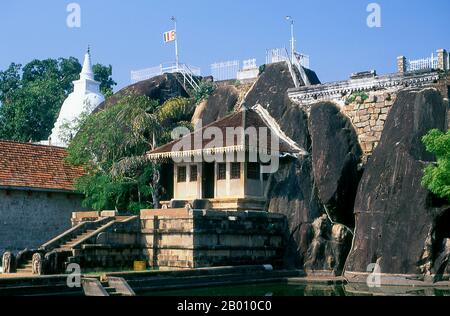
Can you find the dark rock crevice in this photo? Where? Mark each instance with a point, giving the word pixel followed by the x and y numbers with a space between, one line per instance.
pixel 440 246
pixel 336 156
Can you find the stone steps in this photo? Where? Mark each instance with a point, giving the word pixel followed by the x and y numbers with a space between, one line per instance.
pixel 25 268
pixel 110 290
pixel 76 239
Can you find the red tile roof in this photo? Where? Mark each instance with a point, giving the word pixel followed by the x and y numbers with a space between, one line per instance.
pixel 25 165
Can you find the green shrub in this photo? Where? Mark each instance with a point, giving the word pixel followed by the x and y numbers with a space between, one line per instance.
pixel 352 98
pixel 176 109
pixel 262 68
pixel 437 176
pixel 206 88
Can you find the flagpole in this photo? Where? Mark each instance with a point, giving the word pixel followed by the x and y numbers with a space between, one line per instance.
pixel 177 60
pixel 289 18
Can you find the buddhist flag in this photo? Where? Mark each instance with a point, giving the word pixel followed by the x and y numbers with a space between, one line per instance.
pixel 170 36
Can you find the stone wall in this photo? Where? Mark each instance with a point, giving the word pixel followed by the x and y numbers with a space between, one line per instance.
pixel 368 115
pixel 29 218
pixel 367 99
pixel 193 239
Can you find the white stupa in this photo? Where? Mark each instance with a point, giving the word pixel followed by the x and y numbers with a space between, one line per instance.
pixel 86 96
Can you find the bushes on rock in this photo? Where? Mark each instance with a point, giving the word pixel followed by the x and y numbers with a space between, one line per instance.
pixel 205 90
pixel 437 176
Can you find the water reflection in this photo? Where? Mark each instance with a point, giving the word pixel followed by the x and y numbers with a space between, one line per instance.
pixel 304 290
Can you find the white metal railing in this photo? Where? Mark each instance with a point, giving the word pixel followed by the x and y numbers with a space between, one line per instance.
pixel 291 70
pixel 447 66
pixel 144 74
pixel 299 61
pixel 276 55
pixel 300 68
pixel 188 77
pixel 280 54
pixel 424 63
pixel 303 60
pixel 249 64
pixel 225 70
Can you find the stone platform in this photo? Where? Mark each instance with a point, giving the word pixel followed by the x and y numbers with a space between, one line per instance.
pixel 180 238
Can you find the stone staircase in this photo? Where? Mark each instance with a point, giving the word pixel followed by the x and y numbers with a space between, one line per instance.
pixel 53 256
pixel 112 291
pixel 26 267
pixel 77 234
pixel 68 245
pixel 113 286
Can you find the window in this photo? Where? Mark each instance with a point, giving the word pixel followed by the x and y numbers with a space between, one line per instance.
pixel 235 170
pixel 194 174
pixel 221 171
pixel 253 170
pixel 181 174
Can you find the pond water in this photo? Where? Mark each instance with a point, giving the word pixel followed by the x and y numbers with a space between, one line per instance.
pixel 281 289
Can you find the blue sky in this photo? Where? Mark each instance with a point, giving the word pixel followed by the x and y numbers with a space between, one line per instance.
pixel 128 34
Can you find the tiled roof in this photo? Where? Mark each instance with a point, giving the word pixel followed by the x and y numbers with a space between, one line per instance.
pixel 25 165
pixel 252 119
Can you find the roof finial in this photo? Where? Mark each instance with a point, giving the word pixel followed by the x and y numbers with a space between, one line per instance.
pixel 89 49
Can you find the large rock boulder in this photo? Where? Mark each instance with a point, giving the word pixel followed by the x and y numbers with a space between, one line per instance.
pixel 314 243
pixel 290 191
pixel 220 103
pixel 270 91
pixel 161 88
pixel 336 155
pixel 395 214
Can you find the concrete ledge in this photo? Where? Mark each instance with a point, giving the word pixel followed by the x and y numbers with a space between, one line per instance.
pixel 37 285
pixel 174 212
pixel 395 279
pixel 318 280
pixel 81 215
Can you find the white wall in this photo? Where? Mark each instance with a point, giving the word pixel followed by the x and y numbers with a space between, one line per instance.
pixel 227 188
pixel 230 187
pixel 187 190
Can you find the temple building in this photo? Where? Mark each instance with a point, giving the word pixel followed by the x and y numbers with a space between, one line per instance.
pixel 225 165
pixel 37 194
pixel 85 97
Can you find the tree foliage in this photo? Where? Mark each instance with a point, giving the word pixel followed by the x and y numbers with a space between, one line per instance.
pixel 206 88
pixel 31 96
pixel 437 176
pixel 103 74
pixel 175 112
pixel 119 175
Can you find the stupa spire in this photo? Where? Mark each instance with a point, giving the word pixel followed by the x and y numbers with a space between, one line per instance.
pixel 86 72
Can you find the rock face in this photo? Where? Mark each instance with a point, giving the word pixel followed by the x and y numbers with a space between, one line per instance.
pixel 270 92
pixel 335 156
pixel 161 88
pixel 314 243
pixel 396 219
pixel 329 247
pixel 220 103
pixel 290 192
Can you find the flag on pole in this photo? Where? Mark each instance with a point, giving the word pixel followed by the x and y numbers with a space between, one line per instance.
pixel 170 36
